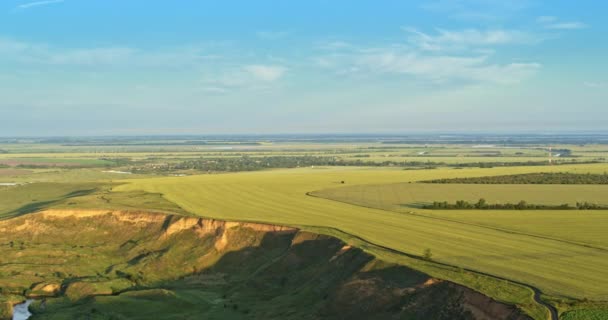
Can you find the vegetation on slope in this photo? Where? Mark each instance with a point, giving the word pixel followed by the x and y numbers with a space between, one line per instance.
pixel 27 198
pixel 142 266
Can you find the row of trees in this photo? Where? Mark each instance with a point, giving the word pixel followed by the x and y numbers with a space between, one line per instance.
pixel 247 163
pixel 482 204
pixel 533 178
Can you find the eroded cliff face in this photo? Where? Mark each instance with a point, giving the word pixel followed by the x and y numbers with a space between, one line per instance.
pixel 137 265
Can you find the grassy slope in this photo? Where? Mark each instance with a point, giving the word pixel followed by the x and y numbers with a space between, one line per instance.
pixel 18 200
pixel 280 197
pixel 187 275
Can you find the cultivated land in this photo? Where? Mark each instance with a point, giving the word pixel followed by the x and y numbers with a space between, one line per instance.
pixel 503 254
pixel 281 197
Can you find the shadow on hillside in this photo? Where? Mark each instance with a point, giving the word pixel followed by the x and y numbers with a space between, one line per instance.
pixel 414 205
pixel 40 205
pixel 317 277
pixel 257 275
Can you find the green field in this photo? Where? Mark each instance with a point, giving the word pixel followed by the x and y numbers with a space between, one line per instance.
pixel 374 208
pixel 404 198
pixel 22 199
pixel 280 197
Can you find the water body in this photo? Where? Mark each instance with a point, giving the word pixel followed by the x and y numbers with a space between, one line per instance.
pixel 21 311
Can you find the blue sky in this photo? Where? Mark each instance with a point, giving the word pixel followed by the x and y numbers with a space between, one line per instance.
pixel 122 67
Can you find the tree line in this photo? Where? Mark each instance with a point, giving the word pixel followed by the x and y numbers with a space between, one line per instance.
pixel 482 204
pixel 248 163
pixel 532 178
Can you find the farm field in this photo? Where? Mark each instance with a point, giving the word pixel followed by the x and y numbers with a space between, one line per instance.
pixel 280 197
pixel 361 150
pixel 405 198
pixel 373 207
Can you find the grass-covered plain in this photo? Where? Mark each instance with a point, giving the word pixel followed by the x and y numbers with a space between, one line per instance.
pixel 280 196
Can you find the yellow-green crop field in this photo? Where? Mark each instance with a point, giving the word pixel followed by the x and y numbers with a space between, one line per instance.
pixel 555 263
pixel 563 253
pixel 401 196
pixel 558 224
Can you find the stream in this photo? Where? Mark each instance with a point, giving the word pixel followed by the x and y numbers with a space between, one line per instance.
pixel 21 312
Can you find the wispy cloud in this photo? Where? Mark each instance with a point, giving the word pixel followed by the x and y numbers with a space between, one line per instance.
pixel 266 72
pixel 445 68
pixel 476 10
pixel 38 4
pixel 462 39
pixel 554 23
pixel 220 69
pixel 225 80
pixel 445 57
pixel 566 26
pixel 36 54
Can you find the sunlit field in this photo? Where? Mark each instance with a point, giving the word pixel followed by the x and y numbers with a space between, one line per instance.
pixel 281 197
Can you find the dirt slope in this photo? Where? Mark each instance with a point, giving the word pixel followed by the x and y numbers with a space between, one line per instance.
pixel 137 265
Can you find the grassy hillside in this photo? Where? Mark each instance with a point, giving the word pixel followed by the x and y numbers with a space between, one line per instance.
pixel 22 199
pixel 119 265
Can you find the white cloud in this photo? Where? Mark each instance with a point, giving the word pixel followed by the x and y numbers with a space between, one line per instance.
pixel 38 4
pixel 459 39
pixel 33 54
pixel 554 23
pixel 226 79
pixel 458 57
pixel 94 56
pixel 266 72
pixel 566 26
pixel 444 68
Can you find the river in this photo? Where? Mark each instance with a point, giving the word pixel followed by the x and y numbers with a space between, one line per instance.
pixel 21 312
